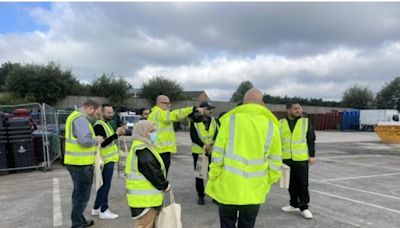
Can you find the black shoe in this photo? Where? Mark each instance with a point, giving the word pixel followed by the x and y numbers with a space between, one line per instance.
pixel 201 201
pixel 89 222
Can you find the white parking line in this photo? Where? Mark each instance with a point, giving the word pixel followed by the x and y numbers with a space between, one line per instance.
pixel 353 156
pixel 57 215
pixel 356 189
pixel 336 216
pixel 356 201
pixel 358 177
pixel 359 164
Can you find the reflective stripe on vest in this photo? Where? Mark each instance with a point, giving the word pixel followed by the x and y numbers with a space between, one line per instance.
pixel 229 154
pixel 164 131
pixel 205 136
pixel 294 144
pixel 76 154
pixel 140 192
pixel 110 153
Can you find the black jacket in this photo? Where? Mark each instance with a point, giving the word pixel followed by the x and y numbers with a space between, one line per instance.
pixel 150 168
pixel 99 131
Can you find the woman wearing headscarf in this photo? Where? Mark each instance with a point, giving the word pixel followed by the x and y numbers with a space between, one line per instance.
pixel 145 176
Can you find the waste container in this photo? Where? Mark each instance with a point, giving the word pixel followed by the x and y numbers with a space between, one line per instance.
pixel 388 132
pixel 3 154
pixel 20 139
pixel 23 152
pixel 22 112
pixel 3 143
pixel 38 147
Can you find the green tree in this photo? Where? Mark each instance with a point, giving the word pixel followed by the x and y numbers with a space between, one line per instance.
pixel 159 85
pixel 10 99
pixel 389 96
pixel 111 87
pixel 358 97
pixel 240 91
pixel 43 83
pixel 4 70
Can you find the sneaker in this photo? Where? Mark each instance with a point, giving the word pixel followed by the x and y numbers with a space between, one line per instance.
pixel 289 208
pixel 201 201
pixel 95 212
pixel 307 214
pixel 108 215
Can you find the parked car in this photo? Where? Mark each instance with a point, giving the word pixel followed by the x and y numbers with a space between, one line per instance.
pixel 129 120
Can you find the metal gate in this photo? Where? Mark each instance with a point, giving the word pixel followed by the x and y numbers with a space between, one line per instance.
pixel 17 152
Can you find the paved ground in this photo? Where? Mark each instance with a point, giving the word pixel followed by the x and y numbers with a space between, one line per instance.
pixel 354 184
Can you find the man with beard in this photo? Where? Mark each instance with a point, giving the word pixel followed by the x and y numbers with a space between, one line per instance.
pixel 109 151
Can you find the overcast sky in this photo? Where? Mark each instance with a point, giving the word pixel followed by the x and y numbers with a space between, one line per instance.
pixel 314 50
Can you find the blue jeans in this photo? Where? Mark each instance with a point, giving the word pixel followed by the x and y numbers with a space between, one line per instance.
pixel 102 193
pixel 82 178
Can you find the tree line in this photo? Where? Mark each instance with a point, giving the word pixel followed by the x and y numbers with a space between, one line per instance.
pixel 49 83
pixel 357 97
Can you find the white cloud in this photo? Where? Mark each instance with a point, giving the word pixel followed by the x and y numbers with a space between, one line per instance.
pixel 209 47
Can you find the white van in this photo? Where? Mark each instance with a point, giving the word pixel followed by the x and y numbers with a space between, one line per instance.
pixel 130 119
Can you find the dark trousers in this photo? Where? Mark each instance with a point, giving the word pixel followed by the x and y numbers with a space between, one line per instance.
pixel 228 215
pixel 199 181
pixel 102 193
pixel 166 157
pixel 298 186
pixel 82 178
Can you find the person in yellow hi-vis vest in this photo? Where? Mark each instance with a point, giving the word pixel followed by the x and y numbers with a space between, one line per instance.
pixel 80 149
pixel 246 161
pixel 163 119
pixel 203 135
pixel 109 152
pixel 298 151
pixel 145 176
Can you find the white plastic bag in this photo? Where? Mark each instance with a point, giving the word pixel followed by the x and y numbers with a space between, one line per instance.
pixel 170 216
pixel 201 170
pixel 98 167
pixel 285 177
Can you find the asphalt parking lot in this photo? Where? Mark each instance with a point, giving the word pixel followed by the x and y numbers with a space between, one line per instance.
pixel 355 183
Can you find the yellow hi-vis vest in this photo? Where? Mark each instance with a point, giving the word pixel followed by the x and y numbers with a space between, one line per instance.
pixel 246 157
pixel 205 136
pixel 110 153
pixel 76 154
pixel 294 144
pixel 163 121
pixel 140 192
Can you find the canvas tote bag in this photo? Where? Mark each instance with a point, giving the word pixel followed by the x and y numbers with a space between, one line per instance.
pixel 170 216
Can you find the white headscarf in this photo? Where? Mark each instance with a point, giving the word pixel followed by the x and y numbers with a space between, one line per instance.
pixel 141 130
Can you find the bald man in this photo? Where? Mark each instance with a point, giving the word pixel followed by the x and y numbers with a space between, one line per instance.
pixel 246 161
pixel 163 119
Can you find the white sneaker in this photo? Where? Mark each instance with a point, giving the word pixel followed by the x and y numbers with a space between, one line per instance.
pixel 289 208
pixel 108 215
pixel 307 214
pixel 95 212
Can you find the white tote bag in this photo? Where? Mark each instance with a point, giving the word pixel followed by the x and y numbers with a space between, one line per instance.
pixel 201 170
pixel 123 155
pixel 170 216
pixel 285 177
pixel 98 167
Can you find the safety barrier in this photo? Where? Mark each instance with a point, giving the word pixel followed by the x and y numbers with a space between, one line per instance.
pixel 29 137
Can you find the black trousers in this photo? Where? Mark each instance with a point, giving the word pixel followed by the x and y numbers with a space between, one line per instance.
pixel 298 186
pixel 228 215
pixel 166 157
pixel 199 182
